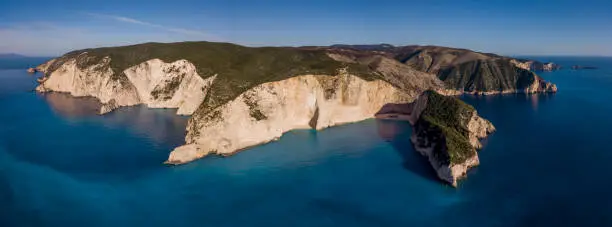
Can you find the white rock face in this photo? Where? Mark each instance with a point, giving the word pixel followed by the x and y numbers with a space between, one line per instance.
pixel 94 81
pixel 265 112
pixel 169 85
pixel 154 83
pixel 479 128
pixel 527 65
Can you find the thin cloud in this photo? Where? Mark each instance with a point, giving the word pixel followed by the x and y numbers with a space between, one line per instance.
pixel 152 25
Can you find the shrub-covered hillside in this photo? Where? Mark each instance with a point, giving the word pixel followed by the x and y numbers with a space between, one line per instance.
pixel 238 68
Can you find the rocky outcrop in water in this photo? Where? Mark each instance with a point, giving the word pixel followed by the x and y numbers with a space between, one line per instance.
pixel 447 131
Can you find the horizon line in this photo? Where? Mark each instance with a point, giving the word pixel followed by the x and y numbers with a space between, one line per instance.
pixel 329 45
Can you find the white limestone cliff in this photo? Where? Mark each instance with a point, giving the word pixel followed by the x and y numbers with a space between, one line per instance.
pixel 265 112
pixel 153 83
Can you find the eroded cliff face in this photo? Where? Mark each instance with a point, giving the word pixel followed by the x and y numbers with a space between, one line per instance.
pixel 265 112
pixel 153 83
pixel 169 85
pixel 448 132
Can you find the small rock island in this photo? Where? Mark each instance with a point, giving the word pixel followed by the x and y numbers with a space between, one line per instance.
pixel 445 130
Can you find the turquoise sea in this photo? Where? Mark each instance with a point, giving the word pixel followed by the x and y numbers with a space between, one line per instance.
pixel 547 165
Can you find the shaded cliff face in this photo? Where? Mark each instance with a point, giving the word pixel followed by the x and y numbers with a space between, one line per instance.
pixel 493 76
pixel 466 71
pixel 447 131
pixel 433 59
pixel 473 72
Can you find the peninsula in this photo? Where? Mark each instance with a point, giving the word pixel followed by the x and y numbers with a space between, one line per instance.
pixel 240 96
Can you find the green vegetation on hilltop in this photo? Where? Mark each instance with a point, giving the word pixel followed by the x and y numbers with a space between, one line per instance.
pixel 447 118
pixel 238 68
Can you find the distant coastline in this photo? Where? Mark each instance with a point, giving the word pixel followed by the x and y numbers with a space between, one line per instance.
pixel 22 62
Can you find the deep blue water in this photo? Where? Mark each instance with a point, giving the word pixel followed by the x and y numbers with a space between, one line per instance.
pixel 547 165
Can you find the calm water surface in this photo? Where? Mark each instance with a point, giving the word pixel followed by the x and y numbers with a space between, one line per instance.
pixel 547 165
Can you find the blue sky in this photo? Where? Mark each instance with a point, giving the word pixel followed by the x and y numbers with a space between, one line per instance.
pixel 517 27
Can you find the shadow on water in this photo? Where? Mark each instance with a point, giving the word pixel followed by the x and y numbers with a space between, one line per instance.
pixel 397 133
pixel 534 99
pixel 66 134
pixel 160 125
pixel 72 107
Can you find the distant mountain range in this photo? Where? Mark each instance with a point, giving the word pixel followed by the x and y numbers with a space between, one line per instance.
pixel 434 58
pixel 18 61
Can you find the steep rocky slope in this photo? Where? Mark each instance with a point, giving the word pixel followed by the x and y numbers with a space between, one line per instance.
pixel 154 83
pixel 492 77
pixel 466 71
pixel 473 72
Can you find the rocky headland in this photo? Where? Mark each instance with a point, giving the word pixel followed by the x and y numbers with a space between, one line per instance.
pixel 445 130
pixel 465 71
pixel 240 97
